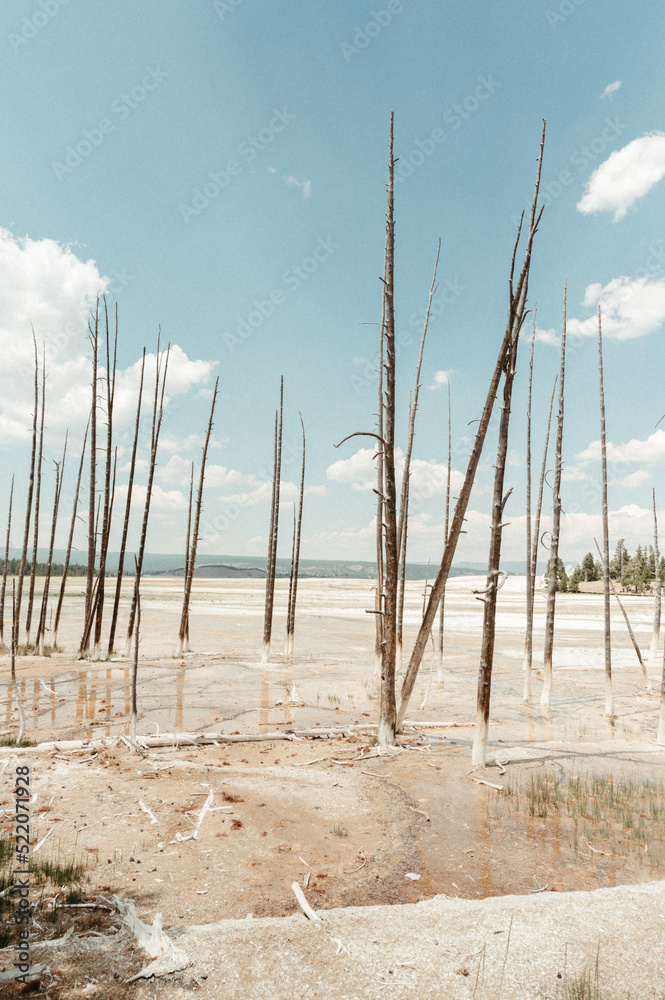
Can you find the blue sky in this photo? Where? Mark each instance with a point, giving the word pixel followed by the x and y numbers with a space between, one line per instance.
pixel 220 169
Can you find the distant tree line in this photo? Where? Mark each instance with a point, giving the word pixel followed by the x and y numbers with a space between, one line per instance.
pixel 41 568
pixel 635 573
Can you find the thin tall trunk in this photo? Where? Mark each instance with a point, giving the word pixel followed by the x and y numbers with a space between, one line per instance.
pixel 135 665
pixel 128 507
pixel 548 648
pixel 630 631
pixel 157 414
pixel 609 700
pixel 6 565
pixel 38 492
pixel 657 589
pixel 28 506
pixel 184 620
pixel 528 636
pixel 106 523
pixel 536 535
pixel 41 628
pixel 274 528
pixel 293 591
pixel 65 569
pixel 288 603
pixel 187 546
pixel 92 535
pixel 380 491
pixel 21 713
pixel 404 499
pixel 446 533
pixel 465 492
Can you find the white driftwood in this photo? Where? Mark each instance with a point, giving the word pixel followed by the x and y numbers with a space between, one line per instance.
pixel 157 945
pixel 34 973
pixel 148 811
pixel 43 841
pixel 304 905
pixel 55 942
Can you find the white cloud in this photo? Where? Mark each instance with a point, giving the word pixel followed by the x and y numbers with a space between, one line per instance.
pixel 610 89
pixel 427 478
pixel 626 175
pixel 288 492
pixel 649 452
pixel 316 491
pixel 631 308
pixel 573 474
pixel 548 337
pixel 440 378
pixel 304 186
pixel 634 480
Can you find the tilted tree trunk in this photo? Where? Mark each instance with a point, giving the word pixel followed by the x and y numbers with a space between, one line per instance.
pixel 191 562
pixel 295 560
pixel 653 649
pixel 65 569
pixel 41 627
pixel 404 498
pixel 548 646
pixel 274 529
pixel 630 630
pixel 288 603
pixel 161 370
pixel 188 547
pixel 108 507
pixel 38 492
pixel 92 534
pixel 536 538
pixel 128 507
pixel 465 492
pixel 133 716
pixel 446 533
pixel 528 635
pixel 28 505
pixel 609 699
pixel 6 565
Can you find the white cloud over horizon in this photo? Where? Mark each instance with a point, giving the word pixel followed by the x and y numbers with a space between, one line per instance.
pixel 627 175
pixel 630 308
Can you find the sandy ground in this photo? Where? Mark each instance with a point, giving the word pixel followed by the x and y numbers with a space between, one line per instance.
pixel 400 849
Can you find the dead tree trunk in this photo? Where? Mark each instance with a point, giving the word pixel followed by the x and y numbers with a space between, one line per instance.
pixel 548 648
pixel 274 528
pixel 188 546
pixel 404 499
pixel 191 562
pixel 157 414
pixel 108 506
pixel 135 664
pixel 128 507
pixel 92 534
pixel 41 627
pixel 21 713
pixel 38 492
pixel 65 568
pixel 6 566
pixel 536 537
pixel 380 491
pixel 465 492
pixel 295 559
pixel 609 700
pixel 630 630
pixel 446 533
pixel 528 635
pixel 657 589
pixel 28 506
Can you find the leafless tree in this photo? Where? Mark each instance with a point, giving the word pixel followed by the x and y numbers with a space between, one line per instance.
pixel 65 569
pixel 21 713
pixel 28 506
pixel 516 293
pixel 188 545
pixel 6 565
pixel 135 663
pixel 446 533
pixel 548 649
pixel 92 534
pixel 404 497
pixel 653 650
pixel 609 699
pixel 528 637
pixel 191 562
pixel 380 489
pixel 161 369
pixel 41 627
pixel 660 738
pixel 274 528
pixel 636 647
pixel 38 491
pixel 295 556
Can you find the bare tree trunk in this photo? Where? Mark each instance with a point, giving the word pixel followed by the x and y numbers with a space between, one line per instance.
pixel 609 699
pixel 135 665
pixel 157 414
pixel 38 491
pixel 446 533
pixel 274 528
pixel 41 628
pixel 191 563
pixel 188 548
pixel 387 713
pixel 288 603
pixel 65 569
pixel 92 535
pixel 6 565
pixel 380 490
pixel 108 506
pixel 293 590
pixel 528 635
pixel 28 506
pixel 548 649
pixel 404 499
pixel 536 536
pixel 21 713
pixel 657 589
pixel 128 507
pixel 630 631
pixel 465 492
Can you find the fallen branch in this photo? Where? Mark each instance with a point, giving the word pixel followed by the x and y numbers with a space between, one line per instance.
pixel 490 784
pixel 158 946
pixel 304 905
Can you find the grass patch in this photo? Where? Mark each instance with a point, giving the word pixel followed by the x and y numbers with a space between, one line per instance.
pixel 11 741
pixel 339 831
